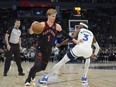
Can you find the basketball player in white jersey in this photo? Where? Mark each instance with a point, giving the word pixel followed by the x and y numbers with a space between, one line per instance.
pixel 83 49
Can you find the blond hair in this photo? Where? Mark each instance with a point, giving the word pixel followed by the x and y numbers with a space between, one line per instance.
pixel 51 11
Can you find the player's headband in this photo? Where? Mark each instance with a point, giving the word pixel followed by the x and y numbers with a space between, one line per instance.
pixel 81 23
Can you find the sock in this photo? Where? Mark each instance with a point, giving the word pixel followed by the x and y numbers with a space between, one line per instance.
pixel 87 63
pixel 58 65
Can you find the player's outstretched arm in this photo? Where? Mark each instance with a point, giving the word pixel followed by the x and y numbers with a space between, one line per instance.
pixel 70 38
pixel 65 42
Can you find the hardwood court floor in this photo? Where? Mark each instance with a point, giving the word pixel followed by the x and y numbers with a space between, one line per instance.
pixel 100 75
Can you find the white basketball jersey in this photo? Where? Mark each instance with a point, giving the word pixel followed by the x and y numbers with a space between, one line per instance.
pixel 87 36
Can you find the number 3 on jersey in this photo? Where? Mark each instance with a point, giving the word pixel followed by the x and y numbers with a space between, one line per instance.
pixel 85 37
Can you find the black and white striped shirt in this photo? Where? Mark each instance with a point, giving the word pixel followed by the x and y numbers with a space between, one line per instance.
pixel 14 35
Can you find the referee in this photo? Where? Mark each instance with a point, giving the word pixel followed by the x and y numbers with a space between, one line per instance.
pixel 13 43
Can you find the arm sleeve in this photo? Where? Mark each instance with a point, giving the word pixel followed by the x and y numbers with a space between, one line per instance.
pixel 66 34
pixel 97 48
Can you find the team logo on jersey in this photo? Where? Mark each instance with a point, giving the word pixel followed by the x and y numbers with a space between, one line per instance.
pixel 49 31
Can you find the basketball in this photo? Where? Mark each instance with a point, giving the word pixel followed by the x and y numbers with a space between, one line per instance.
pixel 37 28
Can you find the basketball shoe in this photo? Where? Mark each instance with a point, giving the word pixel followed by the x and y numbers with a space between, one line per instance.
pixel 27 82
pixel 43 80
pixel 84 80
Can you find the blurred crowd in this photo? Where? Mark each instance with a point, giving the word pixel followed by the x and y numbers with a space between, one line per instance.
pixel 93 1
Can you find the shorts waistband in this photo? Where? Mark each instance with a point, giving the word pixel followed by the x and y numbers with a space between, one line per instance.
pixel 14 43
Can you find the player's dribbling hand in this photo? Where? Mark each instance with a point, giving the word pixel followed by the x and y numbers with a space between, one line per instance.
pixel 30 30
pixel 93 57
pixel 34 23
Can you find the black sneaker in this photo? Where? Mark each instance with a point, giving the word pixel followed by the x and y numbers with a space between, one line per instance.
pixel 5 74
pixel 21 74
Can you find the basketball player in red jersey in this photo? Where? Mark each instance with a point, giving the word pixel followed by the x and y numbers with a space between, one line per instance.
pixel 46 41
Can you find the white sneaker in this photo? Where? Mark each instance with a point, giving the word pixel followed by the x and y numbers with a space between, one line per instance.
pixel 27 84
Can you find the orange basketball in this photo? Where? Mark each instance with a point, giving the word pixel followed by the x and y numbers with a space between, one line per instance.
pixel 37 28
